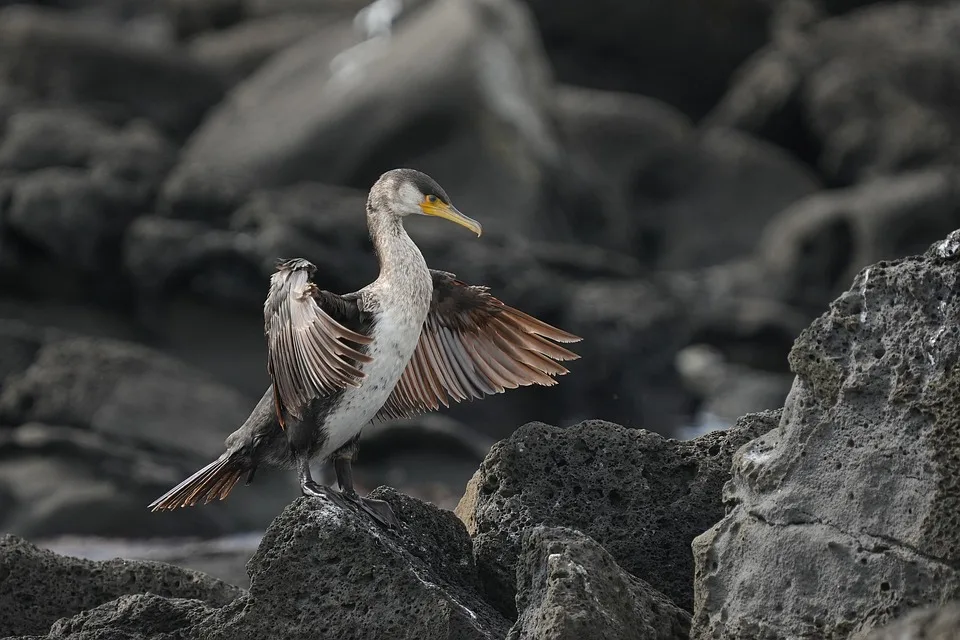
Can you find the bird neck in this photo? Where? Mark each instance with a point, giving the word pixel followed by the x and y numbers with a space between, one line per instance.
pixel 398 255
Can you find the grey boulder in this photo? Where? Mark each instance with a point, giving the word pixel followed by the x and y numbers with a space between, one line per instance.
pixel 459 91
pixel 643 497
pixel 570 588
pixel 858 481
pixel 325 572
pixel 39 587
pixel 677 197
pixel 47 55
pixel 822 92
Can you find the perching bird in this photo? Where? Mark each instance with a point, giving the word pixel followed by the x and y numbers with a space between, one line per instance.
pixel 408 342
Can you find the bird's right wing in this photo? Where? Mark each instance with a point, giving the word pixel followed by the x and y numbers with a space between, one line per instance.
pixel 307 355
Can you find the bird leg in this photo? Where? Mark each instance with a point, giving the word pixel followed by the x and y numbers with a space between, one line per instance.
pixel 309 487
pixel 379 510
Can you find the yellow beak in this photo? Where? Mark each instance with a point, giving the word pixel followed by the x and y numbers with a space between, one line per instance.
pixel 450 212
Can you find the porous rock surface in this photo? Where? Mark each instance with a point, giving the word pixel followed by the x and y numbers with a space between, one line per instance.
pixel 846 515
pixel 642 496
pixel 38 586
pixel 322 571
pixel 570 588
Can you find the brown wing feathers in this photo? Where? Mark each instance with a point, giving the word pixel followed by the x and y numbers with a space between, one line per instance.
pixel 306 353
pixel 473 345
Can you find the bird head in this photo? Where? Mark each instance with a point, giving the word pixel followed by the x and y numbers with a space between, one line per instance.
pixel 412 192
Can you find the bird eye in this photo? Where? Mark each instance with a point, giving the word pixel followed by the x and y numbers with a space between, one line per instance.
pixel 432 199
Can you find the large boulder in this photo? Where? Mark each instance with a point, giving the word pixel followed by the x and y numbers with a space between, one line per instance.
pixel 459 91
pixel 613 45
pixel 678 197
pixel 643 497
pixel 823 93
pixel 569 588
pixel 859 480
pixel 813 248
pixel 326 572
pixel 50 56
pixel 39 587
pixel 96 429
pixel 72 183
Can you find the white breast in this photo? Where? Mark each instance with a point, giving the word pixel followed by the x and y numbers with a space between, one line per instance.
pixel 396 333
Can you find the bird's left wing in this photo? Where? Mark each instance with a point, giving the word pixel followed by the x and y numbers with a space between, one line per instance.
pixel 474 345
pixel 307 355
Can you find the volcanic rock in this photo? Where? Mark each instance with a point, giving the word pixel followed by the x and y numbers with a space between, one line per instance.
pixel 569 588
pixel 678 197
pixel 459 91
pixel 326 572
pixel 824 93
pixel 641 496
pixel 50 56
pixel 859 480
pixel 814 247
pixel 38 586
pixel 610 45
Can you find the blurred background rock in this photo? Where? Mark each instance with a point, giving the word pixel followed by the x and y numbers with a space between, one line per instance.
pixel 685 184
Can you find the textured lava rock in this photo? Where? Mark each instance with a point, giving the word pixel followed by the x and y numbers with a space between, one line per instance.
pixel 823 93
pixel 859 481
pixel 49 56
pixel 641 496
pixel 569 588
pixel 329 573
pixel 38 586
pixel 928 623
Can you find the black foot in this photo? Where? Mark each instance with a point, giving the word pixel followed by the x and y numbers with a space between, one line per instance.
pixel 320 491
pixel 379 510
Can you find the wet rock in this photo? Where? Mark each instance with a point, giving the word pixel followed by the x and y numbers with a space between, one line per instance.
pixel 337 108
pixel 50 56
pixel 858 480
pixel 39 586
pixel 680 198
pixel 823 95
pixel 641 496
pixel 928 623
pixel 570 588
pixel 820 243
pixel 609 46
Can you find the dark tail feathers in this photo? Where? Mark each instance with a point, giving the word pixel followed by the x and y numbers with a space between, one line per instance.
pixel 215 480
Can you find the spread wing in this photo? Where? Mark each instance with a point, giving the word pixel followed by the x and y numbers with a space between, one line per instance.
pixel 474 345
pixel 307 355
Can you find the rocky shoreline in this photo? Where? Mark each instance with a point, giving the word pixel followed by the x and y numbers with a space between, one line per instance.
pixel 834 517
pixel 733 203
